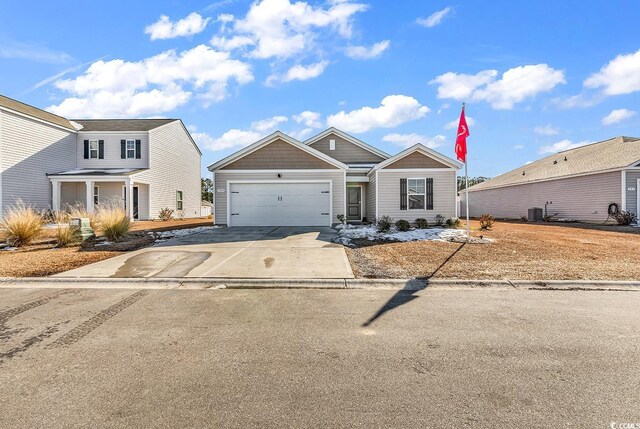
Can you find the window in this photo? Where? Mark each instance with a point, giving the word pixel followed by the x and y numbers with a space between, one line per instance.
pixel 93 149
pixel 178 200
pixel 416 194
pixel 131 148
pixel 96 195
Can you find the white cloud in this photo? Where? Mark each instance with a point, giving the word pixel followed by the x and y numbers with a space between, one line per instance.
pixel 619 76
pixel 546 130
pixel 617 115
pixel 366 53
pixel 299 72
pixel 408 140
pixel 454 124
pixel 157 84
pixel 309 119
pixel 565 144
pixel 393 111
pixel 515 85
pixel 281 29
pixel 518 147
pixel 302 134
pixel 31 52
pixel 236 138
pixel 435 18
pixel 187 26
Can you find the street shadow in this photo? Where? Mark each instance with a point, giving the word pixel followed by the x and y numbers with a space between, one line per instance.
pixel 407 293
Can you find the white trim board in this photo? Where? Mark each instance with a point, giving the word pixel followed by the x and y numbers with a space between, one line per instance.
pixel 329 181
pixel 362 202
pixel 274 171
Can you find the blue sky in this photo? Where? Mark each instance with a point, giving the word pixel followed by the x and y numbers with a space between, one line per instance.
pixel 536 77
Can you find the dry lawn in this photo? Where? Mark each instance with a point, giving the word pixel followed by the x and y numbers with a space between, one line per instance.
pixel 519 251
pixel 43 259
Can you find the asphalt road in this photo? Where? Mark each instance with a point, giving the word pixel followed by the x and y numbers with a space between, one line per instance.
pixel 318 358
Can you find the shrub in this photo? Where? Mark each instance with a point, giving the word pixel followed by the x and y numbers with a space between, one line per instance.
pixel 113 221
pixel 486 222
pixel 341 218
pixel 403 225
pixel 453 222
pixel 20 224
pixel 439 220
pixel 524 219
pixel 624 218
pixel 422 223
pixel 384 223
pixel 165 214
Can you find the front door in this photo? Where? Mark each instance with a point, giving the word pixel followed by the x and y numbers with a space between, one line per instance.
pixel 354 209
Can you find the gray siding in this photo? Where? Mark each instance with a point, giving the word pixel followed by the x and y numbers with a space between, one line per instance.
pixel 72 193
pixel 112 150
pixel 444 194
pixel 345 151
pixel 278 155
pixel 632 196
pixel 371 197
pixel 221 177
pixel 174 164
pixel 584 198
pixel 30 149
pixel 416 160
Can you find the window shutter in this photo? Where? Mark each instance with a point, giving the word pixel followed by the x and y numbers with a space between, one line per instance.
pixel 429 202
pixel 123 149
pixel 100 149
pixel 86 149
pixel 403 194
pixel 138 149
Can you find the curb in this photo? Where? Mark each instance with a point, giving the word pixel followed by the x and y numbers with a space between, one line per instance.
pixel 382 284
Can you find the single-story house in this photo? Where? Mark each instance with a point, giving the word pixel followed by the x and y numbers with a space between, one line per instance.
pixel 280 181
pixel 51 162
pixel 578 184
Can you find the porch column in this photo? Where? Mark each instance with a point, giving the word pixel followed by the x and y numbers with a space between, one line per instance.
pixel 55 195
pixel 129 186
pixel 89 202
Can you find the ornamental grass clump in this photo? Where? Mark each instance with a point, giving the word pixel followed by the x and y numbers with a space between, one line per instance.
pixel 20 224
pixel 113 221
pixel 65 234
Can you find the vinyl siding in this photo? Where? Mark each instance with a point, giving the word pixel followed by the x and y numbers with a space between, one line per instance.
pixel 444 194
pixel 174 165
pixel 28 151
pixel 221 177
pixel 632 196
pixel 575 198
pixel 112 150
pixel 371 197
pixel 278 155
pixel 72 193
pixel 345 151
pixel 416 160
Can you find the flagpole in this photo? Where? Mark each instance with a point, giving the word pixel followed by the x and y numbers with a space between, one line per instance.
pixel 466 189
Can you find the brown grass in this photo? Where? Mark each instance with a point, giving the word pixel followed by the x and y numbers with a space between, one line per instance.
pixel 113 221
pixel 20 224
pixel 520 251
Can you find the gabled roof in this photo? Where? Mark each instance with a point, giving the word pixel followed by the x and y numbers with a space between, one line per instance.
pixel 421 149
pixel 613 154
pixel 269 139
pixel 348 138
pixel 121 124
pixel 34 112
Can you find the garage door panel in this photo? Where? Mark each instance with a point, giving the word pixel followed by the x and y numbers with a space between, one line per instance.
pixel 280 204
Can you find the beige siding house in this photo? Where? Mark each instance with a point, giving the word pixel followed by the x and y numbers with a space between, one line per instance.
pixel 51 162
pixel 282 181
pixel 580 184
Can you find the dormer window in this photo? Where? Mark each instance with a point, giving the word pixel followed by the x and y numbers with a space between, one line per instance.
pixel 131 148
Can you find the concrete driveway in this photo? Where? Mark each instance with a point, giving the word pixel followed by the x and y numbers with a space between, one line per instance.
pixel 237 252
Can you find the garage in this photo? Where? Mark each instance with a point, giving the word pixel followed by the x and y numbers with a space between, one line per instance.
pixel 279 203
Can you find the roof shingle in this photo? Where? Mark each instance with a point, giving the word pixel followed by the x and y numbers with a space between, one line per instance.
pixel 34 112
pixel 121 124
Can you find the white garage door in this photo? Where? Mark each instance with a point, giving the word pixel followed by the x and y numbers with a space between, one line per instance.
pixel 279 204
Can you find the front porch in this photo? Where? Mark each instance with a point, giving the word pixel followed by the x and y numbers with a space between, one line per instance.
pixel 91 190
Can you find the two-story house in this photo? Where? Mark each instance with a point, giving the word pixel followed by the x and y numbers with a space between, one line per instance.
pixel 51 162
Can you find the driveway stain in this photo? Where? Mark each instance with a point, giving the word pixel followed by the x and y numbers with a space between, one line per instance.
pixel 268 262
pixel 177 264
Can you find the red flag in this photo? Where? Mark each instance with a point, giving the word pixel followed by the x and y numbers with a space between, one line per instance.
pixel 461 140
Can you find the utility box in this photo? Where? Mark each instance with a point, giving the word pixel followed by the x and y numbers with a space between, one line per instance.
pixel 82 226
pixel 535 214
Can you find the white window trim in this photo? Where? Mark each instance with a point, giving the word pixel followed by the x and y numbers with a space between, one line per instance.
pixel 97 149
pixel 362 202
pixel 134 149
pixel 424 194
pixel 181 200
pixel 96 195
